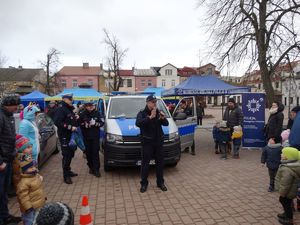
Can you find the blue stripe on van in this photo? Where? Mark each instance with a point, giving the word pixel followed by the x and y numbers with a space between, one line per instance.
pixel 128 127
pixel 187 129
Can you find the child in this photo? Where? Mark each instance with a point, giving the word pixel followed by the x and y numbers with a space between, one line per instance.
pixel 285 137
pixel 224 139
pixel 271 155
pixel 215 133
pixel 29 187
pixel 237 140
pixel 286 182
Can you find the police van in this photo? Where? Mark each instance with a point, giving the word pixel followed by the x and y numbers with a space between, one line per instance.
pixel 121 141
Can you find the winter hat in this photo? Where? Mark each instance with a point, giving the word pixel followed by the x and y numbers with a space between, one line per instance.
pixel 285 135
pixel 54 213
pixel 26 162
pixel 11 99
pixel 22 143
pixel 291 153
pixel 237 128
pixel 231 99
pixel 223 124
pixel 296 109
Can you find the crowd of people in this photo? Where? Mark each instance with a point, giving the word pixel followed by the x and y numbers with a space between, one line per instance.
pixel 19 152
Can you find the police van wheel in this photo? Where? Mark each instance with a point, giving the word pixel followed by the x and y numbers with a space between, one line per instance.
pixel 173 164
pixel 193 146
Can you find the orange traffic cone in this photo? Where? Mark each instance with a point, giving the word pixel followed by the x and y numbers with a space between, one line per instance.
pixel 85 217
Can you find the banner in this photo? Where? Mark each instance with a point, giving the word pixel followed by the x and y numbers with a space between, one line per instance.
pixel 254 120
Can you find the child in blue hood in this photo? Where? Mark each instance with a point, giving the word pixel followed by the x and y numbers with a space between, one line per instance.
pixel 28 129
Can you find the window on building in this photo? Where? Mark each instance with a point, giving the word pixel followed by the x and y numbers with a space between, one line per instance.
pixel 238 99
pixel 129 83
pixel 90 82
pixel 259 86
pixel 143 83
pixel 122 83
pixel 209 100
pixel 63 83
pixel 149 83
pixel 297 101
pixel 173 83
pixel 163 83
pixel 74 83
pixel 276 84
pixel 291 100
pixel 168 72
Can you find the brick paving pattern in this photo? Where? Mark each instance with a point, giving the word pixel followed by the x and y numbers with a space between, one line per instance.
pixel 202 189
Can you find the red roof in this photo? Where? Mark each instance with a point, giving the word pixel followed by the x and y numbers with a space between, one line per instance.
pixel 126 73
pixel 79 70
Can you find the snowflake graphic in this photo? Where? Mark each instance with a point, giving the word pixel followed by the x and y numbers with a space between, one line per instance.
pixel 253 105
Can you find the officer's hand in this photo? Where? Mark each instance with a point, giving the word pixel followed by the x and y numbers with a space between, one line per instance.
pixel 76 116
pixel 161 115
pixel 2 166
pixel 153 113
pixel 74 128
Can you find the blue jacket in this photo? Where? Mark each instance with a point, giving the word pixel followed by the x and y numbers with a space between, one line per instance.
pixel 294 138
pixel 28 129
pixel 224 135
pixel 215 133
pixel 271 155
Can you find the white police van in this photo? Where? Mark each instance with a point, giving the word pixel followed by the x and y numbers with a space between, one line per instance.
pixel 121 141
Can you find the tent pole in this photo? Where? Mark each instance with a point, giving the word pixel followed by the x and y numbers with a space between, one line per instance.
pixel 222 106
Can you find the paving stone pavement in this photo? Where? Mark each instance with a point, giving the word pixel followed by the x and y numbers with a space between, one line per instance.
pixel 202 189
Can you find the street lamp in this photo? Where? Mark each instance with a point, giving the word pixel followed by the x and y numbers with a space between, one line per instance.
pixel 108 75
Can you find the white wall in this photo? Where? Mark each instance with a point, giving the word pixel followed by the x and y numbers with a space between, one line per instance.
pixel 168 78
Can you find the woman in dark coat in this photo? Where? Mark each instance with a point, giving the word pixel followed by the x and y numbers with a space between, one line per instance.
pixel 273 128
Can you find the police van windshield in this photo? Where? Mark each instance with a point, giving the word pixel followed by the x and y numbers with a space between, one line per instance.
pixel 129 107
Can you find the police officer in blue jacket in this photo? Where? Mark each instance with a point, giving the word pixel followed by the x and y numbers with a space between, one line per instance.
pixel 66 122
pixel 150 121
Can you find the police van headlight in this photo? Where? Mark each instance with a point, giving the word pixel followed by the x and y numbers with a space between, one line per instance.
pixel 174 136
pixel 112 138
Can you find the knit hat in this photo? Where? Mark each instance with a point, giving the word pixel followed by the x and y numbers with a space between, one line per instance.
pixel 22 143
pixel 237 128
pixel 54 213
pixel 285 135
pixel 296 109
pixel 231 99
pixel 223 124
pixel 11 99
pixel 291 153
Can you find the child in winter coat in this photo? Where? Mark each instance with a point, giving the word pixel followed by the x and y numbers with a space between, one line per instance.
pixel 224 139
pixel 237 141
pixel 215 133
pixel 285 137
pixel 271 156
pixel 286 182
pixel 29 188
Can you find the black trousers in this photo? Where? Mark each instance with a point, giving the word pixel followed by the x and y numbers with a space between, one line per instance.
pixel 272 175
pixel 287 206
pixel 68 155
pixel 92 146
pixel 150 151
pixel 199 120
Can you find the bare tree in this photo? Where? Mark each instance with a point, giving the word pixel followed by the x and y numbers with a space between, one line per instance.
pixel 115 58
pixel 3 59
pixel 50 65
pixel 261 32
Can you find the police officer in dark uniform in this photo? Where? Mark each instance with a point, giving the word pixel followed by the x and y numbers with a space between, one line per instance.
pixel 90 123
pixel 66 122
pixel 150 121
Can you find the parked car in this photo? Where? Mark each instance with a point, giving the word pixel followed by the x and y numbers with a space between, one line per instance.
pixel 48 137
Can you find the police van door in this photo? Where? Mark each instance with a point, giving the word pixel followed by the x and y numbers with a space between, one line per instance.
pixel 101 106
pixel 186 127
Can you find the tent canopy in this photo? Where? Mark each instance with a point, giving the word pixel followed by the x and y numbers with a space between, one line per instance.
pixel 154 90
pixel 34 96
pixel 79 94
pixel 204 85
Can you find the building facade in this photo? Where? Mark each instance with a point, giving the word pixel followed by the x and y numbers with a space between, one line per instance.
pixel 145 78
pixel 168 76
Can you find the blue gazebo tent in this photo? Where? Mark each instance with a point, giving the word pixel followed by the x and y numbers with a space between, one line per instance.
pixel 79 94
pixel 34 96
pixel 154 90
pixel 206 85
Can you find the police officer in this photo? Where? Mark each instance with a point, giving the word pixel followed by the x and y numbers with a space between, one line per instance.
pixel 90 123
pixel 150 121
pixel 66 122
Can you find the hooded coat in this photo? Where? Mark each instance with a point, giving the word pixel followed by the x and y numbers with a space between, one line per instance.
pixel 274 126
pixel 28 129
pixel 294 138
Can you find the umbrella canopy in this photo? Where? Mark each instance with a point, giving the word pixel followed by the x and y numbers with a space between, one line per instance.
pixel 204 85
pixel 79 94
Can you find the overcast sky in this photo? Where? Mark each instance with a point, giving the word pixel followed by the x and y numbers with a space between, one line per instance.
pixel 155 31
